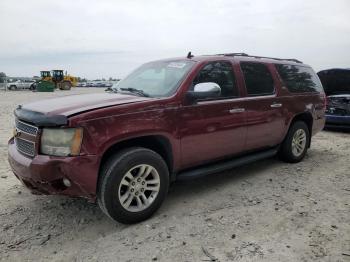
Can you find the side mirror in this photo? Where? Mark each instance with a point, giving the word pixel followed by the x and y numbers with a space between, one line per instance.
pixel 205 90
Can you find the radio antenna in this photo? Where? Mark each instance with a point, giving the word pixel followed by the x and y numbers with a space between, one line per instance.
pixel 189 55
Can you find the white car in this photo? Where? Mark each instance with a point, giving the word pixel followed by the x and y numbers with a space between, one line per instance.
pixel 28 84
pixel 81 84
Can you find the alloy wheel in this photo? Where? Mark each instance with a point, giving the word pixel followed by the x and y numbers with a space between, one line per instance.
pixel 139 187
pixel 298 142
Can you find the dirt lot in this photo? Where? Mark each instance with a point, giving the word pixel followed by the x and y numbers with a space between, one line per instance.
pixel 267 211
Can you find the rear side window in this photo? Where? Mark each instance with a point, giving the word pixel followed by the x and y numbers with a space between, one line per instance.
pixel 220 73
pixel 299 79
pixel 258 79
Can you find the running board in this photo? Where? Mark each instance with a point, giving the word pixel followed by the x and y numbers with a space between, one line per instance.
pixel 222 166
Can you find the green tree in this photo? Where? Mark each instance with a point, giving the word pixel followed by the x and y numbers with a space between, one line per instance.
pixel 2 77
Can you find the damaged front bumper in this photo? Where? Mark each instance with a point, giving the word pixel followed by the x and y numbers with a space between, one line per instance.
pixel 46 174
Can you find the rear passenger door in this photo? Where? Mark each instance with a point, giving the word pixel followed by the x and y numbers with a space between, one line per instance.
pixel 264 115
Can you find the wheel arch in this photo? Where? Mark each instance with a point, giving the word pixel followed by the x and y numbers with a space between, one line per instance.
pixel 158 143
pixel 305 117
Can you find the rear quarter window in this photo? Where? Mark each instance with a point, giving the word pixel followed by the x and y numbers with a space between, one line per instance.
pixel 299 79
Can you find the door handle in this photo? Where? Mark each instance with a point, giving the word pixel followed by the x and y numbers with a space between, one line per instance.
pixel 237 110
pixel 276 105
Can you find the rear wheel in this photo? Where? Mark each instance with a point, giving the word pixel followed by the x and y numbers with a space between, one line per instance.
pixel 133 185
pixel 296 143
pixel 65 85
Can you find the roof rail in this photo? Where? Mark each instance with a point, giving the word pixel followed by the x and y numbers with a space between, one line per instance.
pixel 234 54
pixel 279 59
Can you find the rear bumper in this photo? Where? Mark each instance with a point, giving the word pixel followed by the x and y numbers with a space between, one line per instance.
pixel 44 174
pixel 337 121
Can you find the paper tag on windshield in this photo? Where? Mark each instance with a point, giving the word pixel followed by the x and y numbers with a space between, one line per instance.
pixel 177 65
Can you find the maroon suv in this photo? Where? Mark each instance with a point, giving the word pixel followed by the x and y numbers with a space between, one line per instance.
pixel 169 119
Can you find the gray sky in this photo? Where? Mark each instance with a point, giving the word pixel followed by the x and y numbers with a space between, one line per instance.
pixel 109 38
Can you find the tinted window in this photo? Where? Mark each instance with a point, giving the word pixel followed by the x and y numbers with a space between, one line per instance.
pixel 220 73
pixel 258 79
pixel 299 79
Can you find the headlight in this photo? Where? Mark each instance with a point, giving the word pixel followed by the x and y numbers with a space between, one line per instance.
pixel 61 141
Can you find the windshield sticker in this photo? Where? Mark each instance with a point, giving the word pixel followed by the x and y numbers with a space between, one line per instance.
pixel 177 65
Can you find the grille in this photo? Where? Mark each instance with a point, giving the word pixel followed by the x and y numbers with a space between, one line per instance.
pixel 26 128
pixel 25 147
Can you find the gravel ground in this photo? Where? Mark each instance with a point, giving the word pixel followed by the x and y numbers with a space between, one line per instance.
pixel 267 211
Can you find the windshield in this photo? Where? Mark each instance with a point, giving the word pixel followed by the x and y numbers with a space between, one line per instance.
pixel 156 79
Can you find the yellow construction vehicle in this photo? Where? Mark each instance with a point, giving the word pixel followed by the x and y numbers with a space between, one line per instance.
pixel 45 75
pixel 57 80
pixel 63 81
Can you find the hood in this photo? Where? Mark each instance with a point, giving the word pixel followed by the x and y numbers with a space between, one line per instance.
pixel 73 104
pixel 335 81
pixel 55 111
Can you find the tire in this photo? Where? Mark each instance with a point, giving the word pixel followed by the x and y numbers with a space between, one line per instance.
pixel 65 85
pixel 115 184
pixel 291 153
pixel 13 87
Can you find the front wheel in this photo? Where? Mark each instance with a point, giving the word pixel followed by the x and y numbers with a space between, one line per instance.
pixel 133 184
pixel 295 145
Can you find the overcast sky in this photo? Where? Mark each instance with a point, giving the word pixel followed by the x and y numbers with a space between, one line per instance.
pixel 109 38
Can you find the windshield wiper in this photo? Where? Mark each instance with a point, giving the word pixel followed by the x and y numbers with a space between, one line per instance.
pixel 135 91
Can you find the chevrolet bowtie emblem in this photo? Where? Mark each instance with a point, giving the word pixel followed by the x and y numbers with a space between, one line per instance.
pixel 16 133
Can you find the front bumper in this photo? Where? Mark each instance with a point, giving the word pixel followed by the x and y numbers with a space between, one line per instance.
pixel 337 121
pixel 44 174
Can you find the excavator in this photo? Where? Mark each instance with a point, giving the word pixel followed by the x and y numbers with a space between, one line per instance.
pixel 57 80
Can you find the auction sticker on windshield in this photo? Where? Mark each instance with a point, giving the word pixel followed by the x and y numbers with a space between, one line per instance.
pixel 177 65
